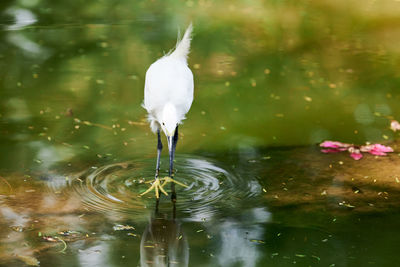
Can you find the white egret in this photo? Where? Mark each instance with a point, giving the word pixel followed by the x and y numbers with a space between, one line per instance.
pixel 168 95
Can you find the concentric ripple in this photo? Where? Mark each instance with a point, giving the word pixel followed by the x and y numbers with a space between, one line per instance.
pixel 117 187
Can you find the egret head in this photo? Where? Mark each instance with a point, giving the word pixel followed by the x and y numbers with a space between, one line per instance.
pixel 169 121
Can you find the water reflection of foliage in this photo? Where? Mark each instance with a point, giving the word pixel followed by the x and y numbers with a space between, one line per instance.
pixel 263 60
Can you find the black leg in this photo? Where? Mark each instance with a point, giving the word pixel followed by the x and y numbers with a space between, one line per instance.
pixel 159 148
pixel 171 163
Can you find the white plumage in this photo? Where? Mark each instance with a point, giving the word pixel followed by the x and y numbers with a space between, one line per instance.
pixel 168 95
pixel 168 92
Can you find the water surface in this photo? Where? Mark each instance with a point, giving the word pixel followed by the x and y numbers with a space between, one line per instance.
pixel 272 80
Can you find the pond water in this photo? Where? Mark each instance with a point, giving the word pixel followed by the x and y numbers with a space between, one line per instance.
pixel 272 80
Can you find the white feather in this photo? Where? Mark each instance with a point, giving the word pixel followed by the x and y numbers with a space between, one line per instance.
pixel 168 92
pixel 183 46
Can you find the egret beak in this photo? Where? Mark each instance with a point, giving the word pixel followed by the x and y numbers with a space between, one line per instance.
pixel 170 140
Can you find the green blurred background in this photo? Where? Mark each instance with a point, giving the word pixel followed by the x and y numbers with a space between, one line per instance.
pixel 267 73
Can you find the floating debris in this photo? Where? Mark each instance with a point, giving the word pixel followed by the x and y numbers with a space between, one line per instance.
pixel 394 125
pixel 354 150
pixel 17 228
pixel 64 243
pixel 69 112
pixel 316 257
pixel 69 233
pixel 343 203
pixel 49 239
pixel 120 227
pixel 257 241
pixel 307 98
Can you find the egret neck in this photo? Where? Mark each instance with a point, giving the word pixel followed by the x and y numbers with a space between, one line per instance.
pixel 169 120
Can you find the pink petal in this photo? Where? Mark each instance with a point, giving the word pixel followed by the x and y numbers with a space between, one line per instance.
pixel 376 148
pixel 394 125
pixel 333 144
pixel 377 153
pixel 382 148
pixel 356 156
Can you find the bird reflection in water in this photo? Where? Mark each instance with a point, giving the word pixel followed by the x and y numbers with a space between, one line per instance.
pixel 163 241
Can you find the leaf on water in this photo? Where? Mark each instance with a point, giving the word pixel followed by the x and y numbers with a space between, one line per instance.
pixel 49 239
pixel 29 260
pixel 257 241
pixel 64 243
pixel 316 257
pixel 132 234
pixel 300 255
pixel 120 227
pixel 343 203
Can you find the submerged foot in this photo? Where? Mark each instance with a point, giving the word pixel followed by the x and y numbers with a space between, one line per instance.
pixel 170 180
pixel 156 185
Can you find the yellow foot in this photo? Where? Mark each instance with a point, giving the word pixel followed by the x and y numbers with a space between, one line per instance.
pixel 170 180
pixel 156 185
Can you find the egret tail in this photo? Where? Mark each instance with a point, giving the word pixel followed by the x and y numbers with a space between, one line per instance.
pixel 183 46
